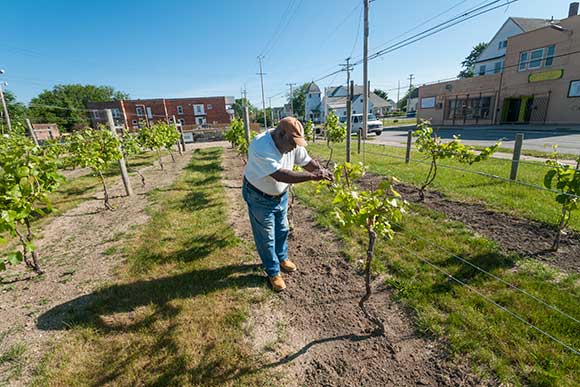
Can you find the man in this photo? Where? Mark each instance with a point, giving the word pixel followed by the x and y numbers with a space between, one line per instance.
pixel 268 173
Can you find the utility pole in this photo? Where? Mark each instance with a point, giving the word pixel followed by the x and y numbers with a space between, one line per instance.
pixel 366 72
pixel 4 106
pixel 347 66
pixel 411 76
pixel 271 110
pixel 261 74
pixel 291 98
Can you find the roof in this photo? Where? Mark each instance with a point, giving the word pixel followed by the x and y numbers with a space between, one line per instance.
pixel 313 88
pixel 336 102
pixel 529 24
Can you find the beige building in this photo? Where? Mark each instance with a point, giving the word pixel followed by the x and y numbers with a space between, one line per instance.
pixel 45 132
pixel 537 83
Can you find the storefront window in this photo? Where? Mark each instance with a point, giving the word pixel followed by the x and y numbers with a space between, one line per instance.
pixel 551 51
pixel 469 109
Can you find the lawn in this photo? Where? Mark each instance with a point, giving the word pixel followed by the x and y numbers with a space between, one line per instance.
pixel 466 185
pixel 424 266
pixel 176 312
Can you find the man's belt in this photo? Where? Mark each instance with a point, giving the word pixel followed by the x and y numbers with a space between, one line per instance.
pixel 256 190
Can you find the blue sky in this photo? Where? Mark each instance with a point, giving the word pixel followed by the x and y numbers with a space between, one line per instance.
pixel 178 48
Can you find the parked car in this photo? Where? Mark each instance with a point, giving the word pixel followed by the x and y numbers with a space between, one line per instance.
pixel 374 126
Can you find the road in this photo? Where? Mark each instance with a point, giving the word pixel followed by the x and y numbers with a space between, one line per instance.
pixel 541 139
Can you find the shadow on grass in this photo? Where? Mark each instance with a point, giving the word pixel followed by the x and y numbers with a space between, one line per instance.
pixel 90 310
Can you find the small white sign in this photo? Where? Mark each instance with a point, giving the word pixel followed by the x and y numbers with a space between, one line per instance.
pixel 188 137
pixel 574 89
pixel 428 103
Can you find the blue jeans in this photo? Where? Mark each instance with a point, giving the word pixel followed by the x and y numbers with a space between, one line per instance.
pixel 268 217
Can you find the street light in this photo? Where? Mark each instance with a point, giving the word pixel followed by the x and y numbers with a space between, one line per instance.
pixel 4 103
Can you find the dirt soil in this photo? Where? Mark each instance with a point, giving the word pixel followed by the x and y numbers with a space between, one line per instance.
pixel 77 253
pixel 315 333
pixel 513 234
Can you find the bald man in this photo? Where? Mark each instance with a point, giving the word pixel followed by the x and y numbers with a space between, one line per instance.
pixel 268 174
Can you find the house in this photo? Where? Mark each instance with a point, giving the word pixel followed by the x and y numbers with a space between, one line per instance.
pixel 191 112
pixel 335 99
pixel 412 101
pixel 44 132
pixel 537 83
pixel 313 104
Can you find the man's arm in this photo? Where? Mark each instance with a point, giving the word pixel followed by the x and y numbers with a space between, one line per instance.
pixel 312 166
pixel 291 177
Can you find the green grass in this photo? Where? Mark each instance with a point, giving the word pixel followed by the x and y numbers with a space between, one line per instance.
pixel 398 121
pixel 11 361
pixel 176 314
pixel 466 186
pixel 475 329
pixel 533 153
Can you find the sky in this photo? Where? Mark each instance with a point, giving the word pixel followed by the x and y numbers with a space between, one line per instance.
pixel 191 48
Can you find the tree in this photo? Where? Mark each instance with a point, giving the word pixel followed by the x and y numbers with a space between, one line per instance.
pixel 239 107
pixel 469 63
pixel 438 150
pixel 565 179
pixel 381 93
pixel 259 117
pixel 309 131
pixel 16 110
pixel 334 132
pixel 65 105
pixel 131 146
pixel 158 136
pixel 27 176
pixel 373 210
pixel 299 100
pixel 236 135
pixel 412 93
pixel 95 149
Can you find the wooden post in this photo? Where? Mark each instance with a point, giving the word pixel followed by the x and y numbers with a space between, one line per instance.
pixel 179 143
pixel 516 156
pixel 122 164
pixel 409 141
pixel 32 134
pixel 247 124
pixel 358 140
pixel 348 114
pixel 180 129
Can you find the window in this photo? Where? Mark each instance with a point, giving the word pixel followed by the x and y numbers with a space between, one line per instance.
pixel 482 70
pixel 502 44
pixel 117 113
pixel 497 68
pixel 469 109
pixel 550 51
pixel 149 112
pixel 198 109
pixel 574 91
pixel 181 121
pixel 180 110
pixel 96 114
pixel 523 61
pixel 139 111
pixel 134 122
pixel 428 103
pixel 209 107
pixel 536 59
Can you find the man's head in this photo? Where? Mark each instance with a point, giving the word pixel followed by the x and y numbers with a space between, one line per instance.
pixel 290 134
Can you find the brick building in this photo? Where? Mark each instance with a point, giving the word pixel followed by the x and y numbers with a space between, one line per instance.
pixel 536 81
pixel 44 132
pixel 190 112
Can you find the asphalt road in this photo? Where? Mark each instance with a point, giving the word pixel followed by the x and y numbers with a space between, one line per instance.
pixel 542 138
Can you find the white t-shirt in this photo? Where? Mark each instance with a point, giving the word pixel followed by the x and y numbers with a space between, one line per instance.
pixel 264 158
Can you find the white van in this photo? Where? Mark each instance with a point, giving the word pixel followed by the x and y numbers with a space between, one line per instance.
pixel 374 126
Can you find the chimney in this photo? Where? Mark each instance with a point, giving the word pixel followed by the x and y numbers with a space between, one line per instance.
pixel 573 9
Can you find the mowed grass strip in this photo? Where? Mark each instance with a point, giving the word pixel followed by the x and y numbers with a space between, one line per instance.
pixel 177 314
pixel 517 199
pixel 473 327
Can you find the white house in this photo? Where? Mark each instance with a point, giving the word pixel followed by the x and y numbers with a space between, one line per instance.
pixel 335 99
pixel 313 104
pixel 491 59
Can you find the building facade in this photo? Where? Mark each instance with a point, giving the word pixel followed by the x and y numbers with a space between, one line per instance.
pixel 190 112
pixel 539 83
pixel 335 99
pixel 44 132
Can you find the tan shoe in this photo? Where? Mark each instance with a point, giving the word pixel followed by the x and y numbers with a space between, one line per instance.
pixel 288 266
pixel 277 283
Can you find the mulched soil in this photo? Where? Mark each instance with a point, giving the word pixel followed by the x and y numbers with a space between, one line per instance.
pixel 527 238
pixel 318 333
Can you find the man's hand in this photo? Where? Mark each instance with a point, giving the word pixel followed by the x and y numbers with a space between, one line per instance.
pixel 322 174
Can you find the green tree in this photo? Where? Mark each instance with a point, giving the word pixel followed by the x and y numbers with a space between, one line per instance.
pixel 239 107
pixel 65 105
pixel 469 63
pixel 299 100
pixel 309 130
pixel 27 176
pixel 372 210
pixel 334 132
pixel 16 110
pixel 412 93
pixel 95 149
pixel 259 117
pixel 381 93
